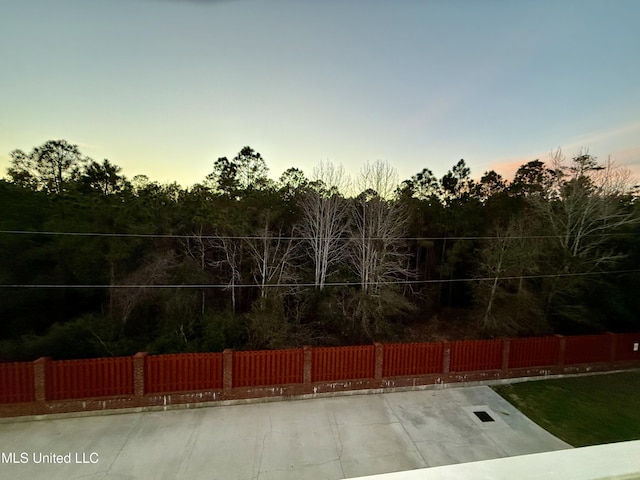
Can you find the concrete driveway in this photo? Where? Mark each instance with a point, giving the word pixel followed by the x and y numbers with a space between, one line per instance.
pixel 322 438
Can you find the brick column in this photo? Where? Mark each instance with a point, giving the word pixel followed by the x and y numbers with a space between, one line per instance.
pixel 227 369
pixel 446 358
pixel 308 358
pixel 138 373
pixel 40 378
pixel 613 344
pixel 563 349
pixel 506 347
pixel 379 361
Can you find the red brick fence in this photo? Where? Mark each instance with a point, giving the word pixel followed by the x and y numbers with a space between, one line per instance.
pixel 57 386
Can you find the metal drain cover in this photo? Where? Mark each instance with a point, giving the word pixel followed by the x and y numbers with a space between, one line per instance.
pixel 483 416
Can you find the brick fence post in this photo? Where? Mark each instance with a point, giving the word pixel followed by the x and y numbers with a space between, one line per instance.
pixel 40 378
pixel 138 373
pixel 227 369
pixel 446 357
pixel 562 350
pixel 613 343
pixel 306 373
pixel 506 347
pixel 378 349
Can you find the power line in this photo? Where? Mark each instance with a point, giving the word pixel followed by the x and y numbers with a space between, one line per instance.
pixel 297 238
pixel 98 234
pixel 333 284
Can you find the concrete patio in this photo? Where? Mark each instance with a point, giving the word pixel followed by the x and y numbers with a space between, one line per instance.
pixel 322 438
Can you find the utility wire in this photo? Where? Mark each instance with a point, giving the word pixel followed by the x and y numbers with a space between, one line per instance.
pixel 264 237
pixel 333 284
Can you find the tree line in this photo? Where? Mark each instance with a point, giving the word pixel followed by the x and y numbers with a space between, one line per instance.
pixel 97 264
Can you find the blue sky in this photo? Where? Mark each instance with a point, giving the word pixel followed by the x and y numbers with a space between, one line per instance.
pixel 164 87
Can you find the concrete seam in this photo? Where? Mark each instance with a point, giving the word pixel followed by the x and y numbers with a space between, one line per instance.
pixel 258 459
pixel 338 439
pixel 124 443
pixel 390 407
pixel 189 448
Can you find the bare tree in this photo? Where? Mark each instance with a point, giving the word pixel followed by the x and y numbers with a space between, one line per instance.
pixel 231 252
pixel 378 255
pixel 585 206
pixel 154 272
pixel 332 178
pixel 586 203
pixel 325 219
pixel 197 247
pixel 324 225
pixel 272 258
pixel 379 177
pixel 377 249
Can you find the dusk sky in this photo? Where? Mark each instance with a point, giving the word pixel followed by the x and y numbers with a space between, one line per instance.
pixel 163 88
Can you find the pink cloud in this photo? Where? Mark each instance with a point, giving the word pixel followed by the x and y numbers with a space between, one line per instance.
pixel 628 159
pixel 509 166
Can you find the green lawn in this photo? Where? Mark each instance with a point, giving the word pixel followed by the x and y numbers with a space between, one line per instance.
pixel 587 410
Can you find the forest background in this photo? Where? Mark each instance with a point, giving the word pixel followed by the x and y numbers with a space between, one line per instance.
pixel 95 264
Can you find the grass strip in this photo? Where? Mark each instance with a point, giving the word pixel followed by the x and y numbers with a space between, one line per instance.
pixel 582 411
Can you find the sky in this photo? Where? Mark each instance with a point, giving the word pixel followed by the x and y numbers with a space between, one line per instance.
pixel 165 87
